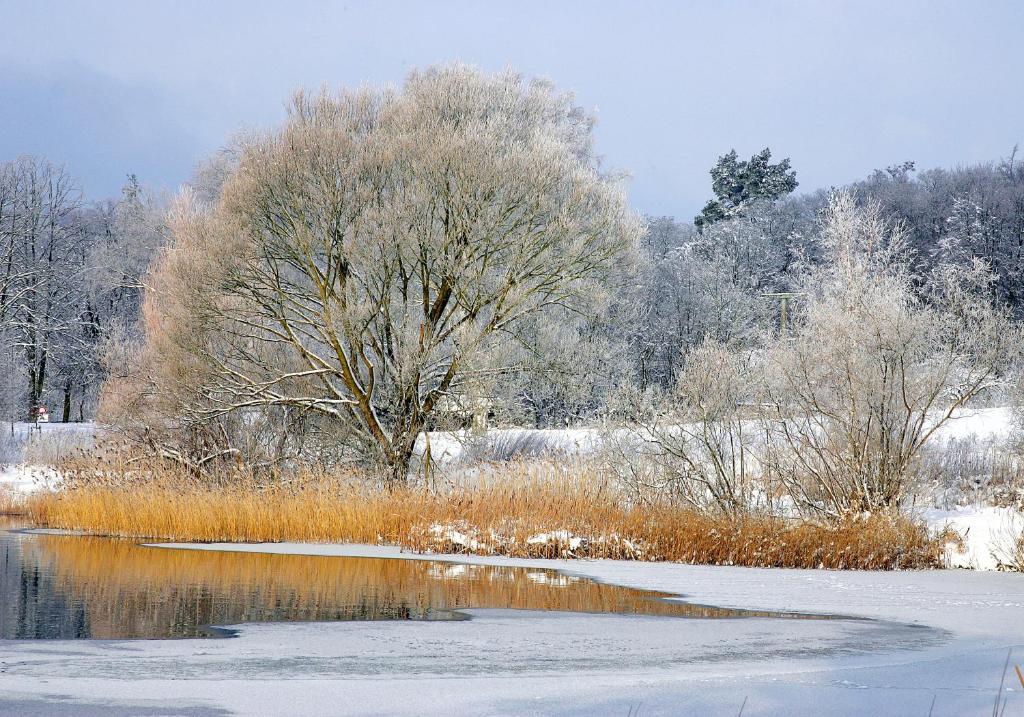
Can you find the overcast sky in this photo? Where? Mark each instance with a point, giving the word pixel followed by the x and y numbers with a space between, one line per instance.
pixel 841 88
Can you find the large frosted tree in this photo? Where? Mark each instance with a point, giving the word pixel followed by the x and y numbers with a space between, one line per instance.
pixel 359 257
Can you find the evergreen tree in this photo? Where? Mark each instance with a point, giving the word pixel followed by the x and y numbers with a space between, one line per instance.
pixel 737 184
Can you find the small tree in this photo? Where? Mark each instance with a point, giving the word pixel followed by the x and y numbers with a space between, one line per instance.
pixel 874 369
pixel 358 257
pixel 702 439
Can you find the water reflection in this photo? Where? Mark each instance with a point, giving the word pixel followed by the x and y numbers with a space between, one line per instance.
pixel 57 586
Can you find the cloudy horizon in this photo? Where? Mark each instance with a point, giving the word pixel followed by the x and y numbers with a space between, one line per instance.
pixel 840 88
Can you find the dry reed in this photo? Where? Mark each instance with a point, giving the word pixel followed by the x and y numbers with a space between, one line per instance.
pixel 525 510
pixel 11 502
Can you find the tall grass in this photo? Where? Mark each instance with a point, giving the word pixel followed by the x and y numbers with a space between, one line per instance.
pixel 11 502
pixel 539 509
pixel 971 470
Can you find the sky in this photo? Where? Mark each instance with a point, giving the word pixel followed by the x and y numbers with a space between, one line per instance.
pixel 109 88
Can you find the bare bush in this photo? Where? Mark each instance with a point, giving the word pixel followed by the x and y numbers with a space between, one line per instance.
pixel 697 444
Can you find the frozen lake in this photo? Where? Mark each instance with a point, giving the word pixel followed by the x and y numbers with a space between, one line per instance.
pixel 544 637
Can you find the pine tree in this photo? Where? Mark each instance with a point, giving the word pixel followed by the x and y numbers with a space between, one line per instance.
pixel 737 184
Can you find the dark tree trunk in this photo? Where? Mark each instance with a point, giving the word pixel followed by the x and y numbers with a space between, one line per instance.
pixel 65 416
pixel 401 456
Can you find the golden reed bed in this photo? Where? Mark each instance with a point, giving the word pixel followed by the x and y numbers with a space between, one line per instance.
pixel 501 516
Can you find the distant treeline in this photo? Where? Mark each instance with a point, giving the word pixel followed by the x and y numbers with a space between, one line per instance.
pixel 72 276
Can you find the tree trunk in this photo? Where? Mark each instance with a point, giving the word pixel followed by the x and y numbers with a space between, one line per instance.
pixel 401 455
pixel 31 410
pixel 65 415
pixel 36 380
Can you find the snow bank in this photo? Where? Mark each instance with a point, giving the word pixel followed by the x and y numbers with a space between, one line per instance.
pixel 461 538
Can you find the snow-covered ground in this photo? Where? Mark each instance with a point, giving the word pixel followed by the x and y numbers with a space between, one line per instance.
pixel 982 423
pixel 446 446
pixel 18 478
pixel 935 642
pixel 988 534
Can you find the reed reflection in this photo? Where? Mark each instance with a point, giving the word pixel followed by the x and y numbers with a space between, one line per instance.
pixel 57 586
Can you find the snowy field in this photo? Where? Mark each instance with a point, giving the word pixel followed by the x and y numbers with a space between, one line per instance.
pixel 446 446
pixel 933 642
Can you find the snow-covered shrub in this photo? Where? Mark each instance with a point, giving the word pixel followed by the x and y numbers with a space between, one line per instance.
pixel 698 443
pixel 1008 544
pixel 970 470
pixel 511 444
pixel 873 370
pixel 52 446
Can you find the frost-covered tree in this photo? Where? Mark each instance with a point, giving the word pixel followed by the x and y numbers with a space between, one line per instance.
pixel 360 257
pixel 119 241
pixel 561 368
pixel 971 211
pixel 69 276
pixel 40 232
pixel 874 368
pixel 692 287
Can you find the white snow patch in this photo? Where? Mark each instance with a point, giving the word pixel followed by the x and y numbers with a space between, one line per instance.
pixel 558 537
pixel 455 537
pixel 26 479
pixel 986 532
pixel 983 423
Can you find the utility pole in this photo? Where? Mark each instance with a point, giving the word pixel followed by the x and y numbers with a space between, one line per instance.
pixel 784 297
